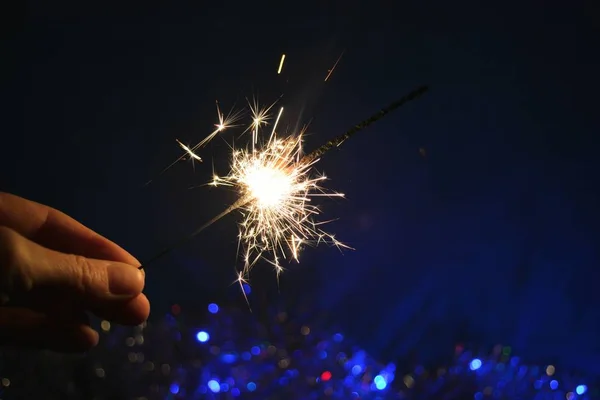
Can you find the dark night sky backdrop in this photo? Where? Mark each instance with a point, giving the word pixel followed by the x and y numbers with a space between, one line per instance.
pixel 491 237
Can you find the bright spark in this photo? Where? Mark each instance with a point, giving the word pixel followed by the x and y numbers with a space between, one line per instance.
pixel 281 64
pixel 189 151
pixel 260 117
pixel 278 215
pixel 225 122
pixel 241 280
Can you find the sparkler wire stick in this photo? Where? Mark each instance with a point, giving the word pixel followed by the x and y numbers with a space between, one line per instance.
pixel 307 159
pixel 339 140
pixel 229 209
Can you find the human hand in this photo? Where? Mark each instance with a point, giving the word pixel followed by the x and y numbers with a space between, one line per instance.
pixel 52 270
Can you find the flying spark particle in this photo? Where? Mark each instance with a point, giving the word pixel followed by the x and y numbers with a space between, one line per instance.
pixel 329 72
pixel 189 151
pixel 281 64
pixel 225 122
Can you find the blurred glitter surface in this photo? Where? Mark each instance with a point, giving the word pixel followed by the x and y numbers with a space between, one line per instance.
pixel 226 353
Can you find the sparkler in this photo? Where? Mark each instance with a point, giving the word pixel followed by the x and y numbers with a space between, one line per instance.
pixel 275 184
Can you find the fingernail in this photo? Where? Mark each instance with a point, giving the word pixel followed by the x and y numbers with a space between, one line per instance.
pixel 124 280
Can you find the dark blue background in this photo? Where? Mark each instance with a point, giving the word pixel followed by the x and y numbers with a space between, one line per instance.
pixel 489 237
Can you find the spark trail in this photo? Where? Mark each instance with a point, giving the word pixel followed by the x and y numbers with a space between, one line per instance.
pixel 225 122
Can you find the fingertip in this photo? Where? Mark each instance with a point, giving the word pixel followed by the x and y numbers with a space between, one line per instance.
pixel 87 336
pixel 135 311
pixel 75 338
pixel 124 279
pixel 127 312
pixel 138 310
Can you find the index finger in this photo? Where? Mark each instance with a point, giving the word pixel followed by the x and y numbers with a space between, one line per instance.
pixel 57 231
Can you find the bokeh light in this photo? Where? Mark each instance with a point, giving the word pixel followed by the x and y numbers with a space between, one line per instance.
pixel 213 308
pixel 294 358
pixel 202 336
pixel 475 364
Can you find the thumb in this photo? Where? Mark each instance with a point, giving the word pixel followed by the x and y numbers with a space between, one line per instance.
pixel 26 268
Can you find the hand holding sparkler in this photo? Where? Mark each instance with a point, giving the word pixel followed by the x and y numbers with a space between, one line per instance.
pixel 52 271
